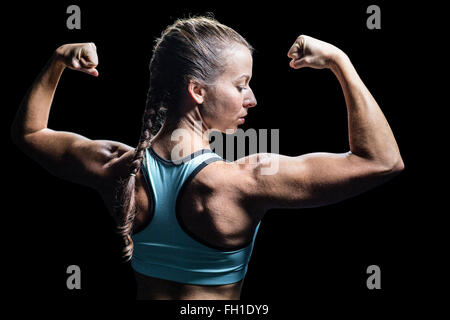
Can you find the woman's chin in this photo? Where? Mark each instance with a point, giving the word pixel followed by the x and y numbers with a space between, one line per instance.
pixel 230 129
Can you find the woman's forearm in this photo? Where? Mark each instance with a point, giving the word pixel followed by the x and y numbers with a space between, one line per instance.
pixel 34 110
pixel 370 136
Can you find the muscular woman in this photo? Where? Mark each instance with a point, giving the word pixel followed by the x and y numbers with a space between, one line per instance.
pixel 189 222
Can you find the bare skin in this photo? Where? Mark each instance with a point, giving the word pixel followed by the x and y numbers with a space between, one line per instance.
pixel 238 194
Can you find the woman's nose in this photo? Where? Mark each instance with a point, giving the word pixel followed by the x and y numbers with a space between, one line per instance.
pixel 250 101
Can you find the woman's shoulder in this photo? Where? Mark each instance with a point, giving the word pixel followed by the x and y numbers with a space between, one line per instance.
pixel 226 180
pixel 222 174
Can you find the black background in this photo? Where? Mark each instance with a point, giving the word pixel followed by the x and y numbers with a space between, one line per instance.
pixel 300 256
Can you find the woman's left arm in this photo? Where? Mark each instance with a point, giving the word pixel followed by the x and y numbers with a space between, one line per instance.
pixel 65 154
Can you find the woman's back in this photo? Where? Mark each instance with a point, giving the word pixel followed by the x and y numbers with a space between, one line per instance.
pixel 209 219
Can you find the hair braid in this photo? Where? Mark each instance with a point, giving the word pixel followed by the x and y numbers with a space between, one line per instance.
pixel 129 185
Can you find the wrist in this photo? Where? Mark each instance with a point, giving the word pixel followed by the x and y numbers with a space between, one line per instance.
pixel 53 69
pixel 338 61
pixel 58 57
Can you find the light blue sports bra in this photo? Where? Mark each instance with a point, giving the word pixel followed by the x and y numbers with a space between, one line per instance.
pixel 165 249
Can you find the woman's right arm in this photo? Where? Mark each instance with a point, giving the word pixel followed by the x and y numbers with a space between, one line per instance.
pixel 65 154
pixel 318 179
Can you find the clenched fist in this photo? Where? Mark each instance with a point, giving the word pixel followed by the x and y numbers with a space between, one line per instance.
pixel 314 53
pixel 79 56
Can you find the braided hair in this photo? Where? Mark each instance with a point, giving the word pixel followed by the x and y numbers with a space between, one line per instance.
pixel 189 49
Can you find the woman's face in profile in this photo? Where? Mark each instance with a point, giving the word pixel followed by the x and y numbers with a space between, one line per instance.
pixel 226 102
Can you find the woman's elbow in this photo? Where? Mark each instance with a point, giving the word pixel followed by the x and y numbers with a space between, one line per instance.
pixel 392 167
pixel 399 165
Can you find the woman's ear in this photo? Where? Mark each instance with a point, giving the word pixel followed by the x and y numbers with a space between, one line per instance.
pixel 196 91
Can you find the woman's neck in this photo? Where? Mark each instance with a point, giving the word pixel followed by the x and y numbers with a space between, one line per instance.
pixel 177 139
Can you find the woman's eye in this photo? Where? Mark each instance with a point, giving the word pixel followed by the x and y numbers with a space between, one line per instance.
pixel 241 88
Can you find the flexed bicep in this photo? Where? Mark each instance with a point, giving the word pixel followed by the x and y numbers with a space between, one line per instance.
pixel 65 154
pixel 318 179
